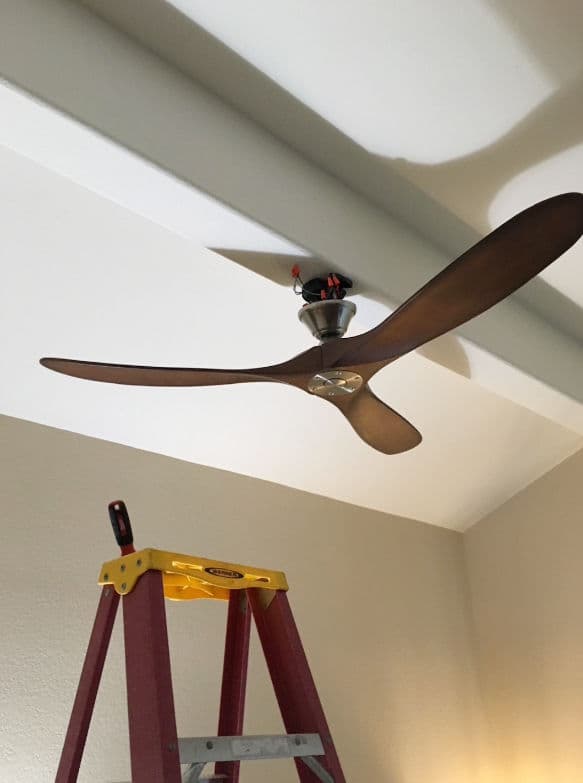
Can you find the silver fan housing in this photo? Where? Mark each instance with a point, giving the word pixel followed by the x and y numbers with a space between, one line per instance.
pixel 327 319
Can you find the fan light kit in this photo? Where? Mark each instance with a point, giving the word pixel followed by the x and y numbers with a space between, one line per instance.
pixel 339 368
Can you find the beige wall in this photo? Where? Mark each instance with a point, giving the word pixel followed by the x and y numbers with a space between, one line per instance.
pixel 381 603
pixel 525 563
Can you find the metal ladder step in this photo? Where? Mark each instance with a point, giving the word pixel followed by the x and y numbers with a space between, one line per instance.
pixel 198 751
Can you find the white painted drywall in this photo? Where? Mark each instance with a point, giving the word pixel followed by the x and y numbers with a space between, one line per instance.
pixel 524 565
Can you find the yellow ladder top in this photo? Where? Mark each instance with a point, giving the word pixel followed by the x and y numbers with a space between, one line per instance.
pixel 187 577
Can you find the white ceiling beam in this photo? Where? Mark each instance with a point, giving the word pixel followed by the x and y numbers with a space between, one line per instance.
pixel 61 53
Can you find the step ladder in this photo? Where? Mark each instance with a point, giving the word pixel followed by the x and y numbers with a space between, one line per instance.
pixel 143 579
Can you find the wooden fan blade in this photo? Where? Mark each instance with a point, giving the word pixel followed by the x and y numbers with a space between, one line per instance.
pixel 484 275
pixel 378 425
pixel 293 372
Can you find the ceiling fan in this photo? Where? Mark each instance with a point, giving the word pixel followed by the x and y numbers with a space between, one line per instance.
pixel 338 370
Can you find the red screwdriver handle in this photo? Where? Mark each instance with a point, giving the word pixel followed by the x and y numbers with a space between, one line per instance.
pixel 122 528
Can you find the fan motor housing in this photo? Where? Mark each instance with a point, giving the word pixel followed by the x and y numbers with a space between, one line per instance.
pixel 328 318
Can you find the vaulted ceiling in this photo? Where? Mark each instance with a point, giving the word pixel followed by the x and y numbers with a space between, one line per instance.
pixel 380 141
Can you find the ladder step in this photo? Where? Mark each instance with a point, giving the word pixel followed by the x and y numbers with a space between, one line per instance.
pixel 194 750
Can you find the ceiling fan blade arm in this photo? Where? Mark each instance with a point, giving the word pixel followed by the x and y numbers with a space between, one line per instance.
pixel 292 372
pixel 376 423
pixel 136 375
pixel 484 275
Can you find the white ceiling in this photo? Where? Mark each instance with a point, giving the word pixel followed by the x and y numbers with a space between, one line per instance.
pixel 479 103
pixel 217 123
pixel 364 68
pixel 89 281
pixel 87 278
